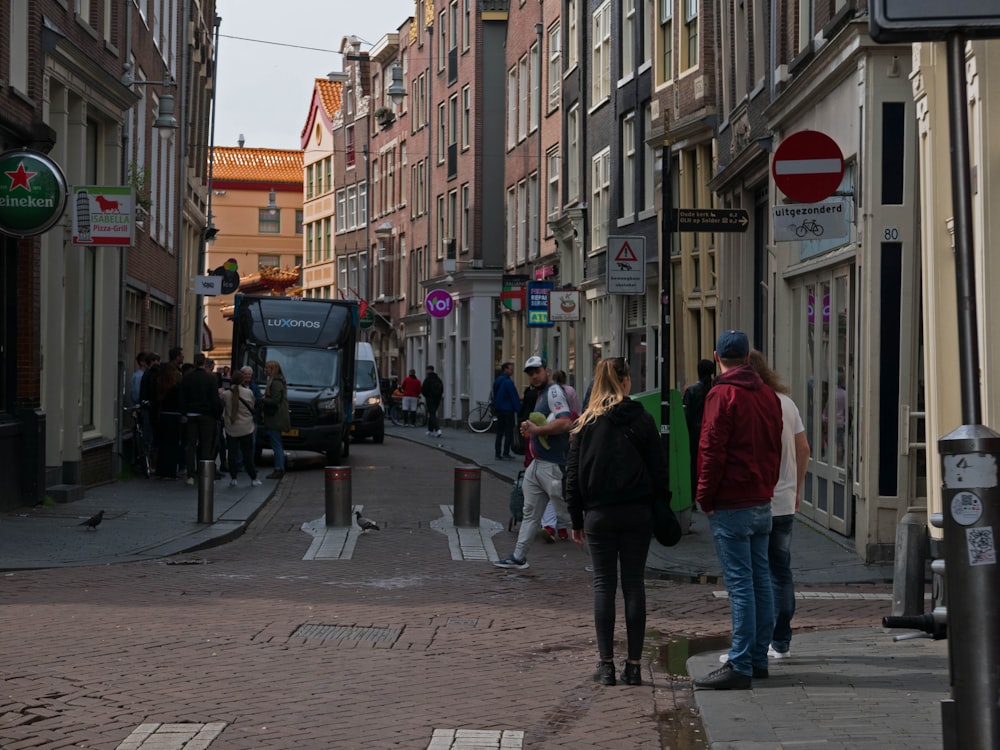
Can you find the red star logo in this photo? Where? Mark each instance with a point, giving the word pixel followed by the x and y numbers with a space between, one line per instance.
pixel 21 177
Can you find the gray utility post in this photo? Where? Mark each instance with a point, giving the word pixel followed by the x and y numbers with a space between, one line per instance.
pixel 970 495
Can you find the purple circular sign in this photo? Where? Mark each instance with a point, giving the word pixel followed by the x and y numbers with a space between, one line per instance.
pixel 438 303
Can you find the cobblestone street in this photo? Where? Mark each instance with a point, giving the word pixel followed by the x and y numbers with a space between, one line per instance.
pixel 267 650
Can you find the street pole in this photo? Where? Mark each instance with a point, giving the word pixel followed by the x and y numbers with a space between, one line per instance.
pixel 666 244
pixel 970 494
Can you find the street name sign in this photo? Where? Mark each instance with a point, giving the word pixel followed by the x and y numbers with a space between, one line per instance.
pixel 626 265
pixel 711 219
pixel 208 286
pixel 808 166
pixel 892 21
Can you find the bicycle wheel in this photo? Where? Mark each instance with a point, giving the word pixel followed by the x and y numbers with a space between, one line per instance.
pixel 421 414
pixel 481 418
pixel 396 415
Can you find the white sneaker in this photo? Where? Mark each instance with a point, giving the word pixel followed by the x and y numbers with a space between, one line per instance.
pixel 232 483
pixel 189 481
pixel 428 432
pixel 723 658
pixel 772 654
pixel 256 483
pixel 437 434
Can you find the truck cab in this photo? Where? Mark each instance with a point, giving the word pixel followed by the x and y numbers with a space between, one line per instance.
pixel 314 342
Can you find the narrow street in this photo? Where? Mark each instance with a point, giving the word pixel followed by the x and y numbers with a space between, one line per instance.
pixel 391 648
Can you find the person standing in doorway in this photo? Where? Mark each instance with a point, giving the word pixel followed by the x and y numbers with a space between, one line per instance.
pixel 433 392
pixel 276 417
pixel 506 405
pixel 738 466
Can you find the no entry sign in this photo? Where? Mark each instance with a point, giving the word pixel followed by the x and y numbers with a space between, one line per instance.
pixel 808 166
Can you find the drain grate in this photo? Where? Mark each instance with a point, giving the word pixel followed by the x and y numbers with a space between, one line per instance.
pixel 347 633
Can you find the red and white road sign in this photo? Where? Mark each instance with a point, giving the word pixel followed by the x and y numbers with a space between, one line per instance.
pixel 808 166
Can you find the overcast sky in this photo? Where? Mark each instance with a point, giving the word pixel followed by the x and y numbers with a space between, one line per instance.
pixel 265 87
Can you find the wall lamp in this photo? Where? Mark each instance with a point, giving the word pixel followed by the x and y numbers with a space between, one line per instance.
pixel 272 202
pixel 165 121
pixel 396 90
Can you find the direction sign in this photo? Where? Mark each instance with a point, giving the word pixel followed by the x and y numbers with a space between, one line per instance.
pixel 711 219
pixel 892 21
pixel 208 286
pixel 808 166
pixel 626 265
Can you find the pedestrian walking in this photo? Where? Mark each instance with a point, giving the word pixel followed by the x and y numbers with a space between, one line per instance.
pixel 543 479
pixel 506 405
pixel 238 416
pixel 614 471
pixel 275 414
pixel 411 397
pixel 738 466
pixel 432 391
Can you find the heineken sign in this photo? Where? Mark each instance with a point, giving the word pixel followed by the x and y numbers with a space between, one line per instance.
pixel 32 193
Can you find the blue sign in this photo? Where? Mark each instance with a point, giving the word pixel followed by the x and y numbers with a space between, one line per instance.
pixel 538 304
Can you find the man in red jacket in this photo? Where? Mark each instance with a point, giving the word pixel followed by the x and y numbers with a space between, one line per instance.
pixel 739 456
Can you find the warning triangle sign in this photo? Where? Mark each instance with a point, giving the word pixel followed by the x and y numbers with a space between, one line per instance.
pixel 625 253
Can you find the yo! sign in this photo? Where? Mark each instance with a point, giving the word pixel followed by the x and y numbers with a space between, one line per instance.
pixel 438 303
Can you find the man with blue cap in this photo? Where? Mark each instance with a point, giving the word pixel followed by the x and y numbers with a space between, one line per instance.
pixel 739 456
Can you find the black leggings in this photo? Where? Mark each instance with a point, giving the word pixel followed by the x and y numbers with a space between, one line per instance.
pixel 619 533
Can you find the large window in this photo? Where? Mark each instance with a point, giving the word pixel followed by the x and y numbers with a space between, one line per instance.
pixel 466 116
pixel 552 202
pixel 600 198
pixel 666 39
pixel 573 153
pixel 268 221
pixel 534 79
pixel 691 29
pixel 628 159
pixel 523 88
pixel 572 33
pixel 511 109
pixel 629 24
pixel 555 66
pixel 600 65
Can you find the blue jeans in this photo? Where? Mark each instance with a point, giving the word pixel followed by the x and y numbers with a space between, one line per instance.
pixel 779 557
pixel 274 437
pixel 741 538
pixel 619 534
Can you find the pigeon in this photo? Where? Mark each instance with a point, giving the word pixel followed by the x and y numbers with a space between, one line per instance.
pixel 93 521
pixel 366 524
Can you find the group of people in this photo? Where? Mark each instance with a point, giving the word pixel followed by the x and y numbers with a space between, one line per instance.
pixel 604 469
pixel 432 389
pixel 189 413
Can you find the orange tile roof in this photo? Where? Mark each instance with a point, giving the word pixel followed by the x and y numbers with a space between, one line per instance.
pixel 329 94
pixel 256 164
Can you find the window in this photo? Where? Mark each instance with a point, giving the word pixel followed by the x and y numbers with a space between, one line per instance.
pixel 522 98
pixel 648 160
pixel 442 40
pixel 466 116
pixel 298 221
pixel 442 133
pixel 328 169
pixel 327 243
pixel 349 146
pixel 629 23
pixel 666 39
pixel 309 243
pixel 600 65
pixel 648 14
pixel 268 221
pixel 552 189
pixel 522 221
pixel 18 40
pixel 573 153
pixel 555 67
pixel 534 246
pixel 269 261
pixel 453 136
pixel 352 207
pixel 511 211
pixel 341 211
pixel 600 181
pixel 691 26
pixel 806 20
pixel 511 109
pixel 466 218
pixel 310 181
pixel 628 165
pixel 466 14
pixel 452 228
pixel 442 226
pixel 534 78
pixel 572 34
pixel 362 204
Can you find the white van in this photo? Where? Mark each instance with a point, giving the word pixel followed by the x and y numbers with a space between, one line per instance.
pixel 369 416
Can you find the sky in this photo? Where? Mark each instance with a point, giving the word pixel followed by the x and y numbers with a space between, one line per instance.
pixel 265 87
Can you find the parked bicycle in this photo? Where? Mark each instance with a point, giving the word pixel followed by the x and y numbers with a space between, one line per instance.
pixel 482 417
pixel 140 456
pixel 397 417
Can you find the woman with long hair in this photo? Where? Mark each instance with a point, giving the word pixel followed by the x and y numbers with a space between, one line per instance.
pixel 615 468
pixel 237 416
pixel 275 415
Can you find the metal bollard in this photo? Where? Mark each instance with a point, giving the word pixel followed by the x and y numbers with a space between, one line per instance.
pixel 206 492
pixel 466 507
pixel 337 486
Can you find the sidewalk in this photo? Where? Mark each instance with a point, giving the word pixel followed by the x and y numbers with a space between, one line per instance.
pixel 850 689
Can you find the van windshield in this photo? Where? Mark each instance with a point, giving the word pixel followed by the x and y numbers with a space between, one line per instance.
pixel 311 368
pixel 365 376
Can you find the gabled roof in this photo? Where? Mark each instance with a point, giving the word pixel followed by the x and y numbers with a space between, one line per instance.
pixel 329 95
pixel 323 107
pixel 272 165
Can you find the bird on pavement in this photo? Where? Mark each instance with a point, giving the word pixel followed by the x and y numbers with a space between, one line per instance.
pixel 366 524
pixel 93 521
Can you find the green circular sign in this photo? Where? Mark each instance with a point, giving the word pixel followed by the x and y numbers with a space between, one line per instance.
pixel 368 319
pixel 32 193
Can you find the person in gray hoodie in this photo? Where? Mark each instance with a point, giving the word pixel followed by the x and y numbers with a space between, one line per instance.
pixel 616 467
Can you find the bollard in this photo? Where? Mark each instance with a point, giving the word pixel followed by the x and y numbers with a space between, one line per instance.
pixel 910 560
pixel 206 492
pixel 466 507
pixel 337 487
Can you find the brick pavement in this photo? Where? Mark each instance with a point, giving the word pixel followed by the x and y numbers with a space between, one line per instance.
pixel 99 651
